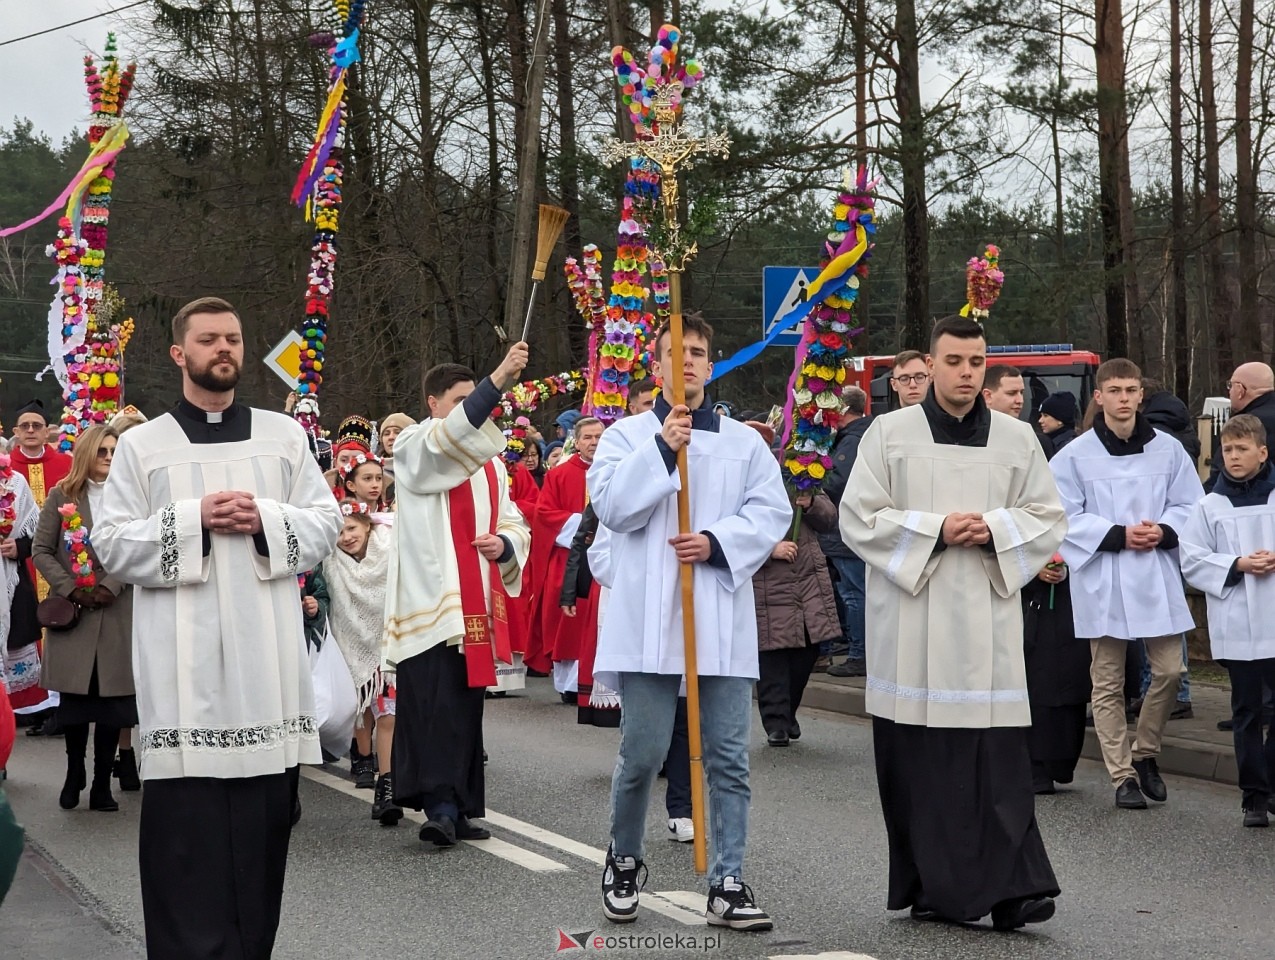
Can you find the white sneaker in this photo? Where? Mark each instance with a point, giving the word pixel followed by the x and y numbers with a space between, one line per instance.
pixel 731 905
pixel 681 829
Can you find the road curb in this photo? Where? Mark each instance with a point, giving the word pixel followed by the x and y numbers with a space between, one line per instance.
pixel 1178 755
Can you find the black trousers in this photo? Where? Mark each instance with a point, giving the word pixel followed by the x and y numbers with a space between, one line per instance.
pixel 213 854
pixel 677 766
pixel 782 682
pixel 1256 761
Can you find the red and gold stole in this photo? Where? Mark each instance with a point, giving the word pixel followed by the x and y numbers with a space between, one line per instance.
pixel 486 637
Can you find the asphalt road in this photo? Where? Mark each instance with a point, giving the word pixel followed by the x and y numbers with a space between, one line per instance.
pixel 1183 880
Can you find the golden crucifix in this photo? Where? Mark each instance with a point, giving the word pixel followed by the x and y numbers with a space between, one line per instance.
pixel 670 151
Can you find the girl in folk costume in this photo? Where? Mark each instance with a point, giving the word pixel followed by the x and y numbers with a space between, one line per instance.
pixel 357 575
pixel 796 612
pixel 363 481
pixel 353 437
pixel 19 628
pixel 90 664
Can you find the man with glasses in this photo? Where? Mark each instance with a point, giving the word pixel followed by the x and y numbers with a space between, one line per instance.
pixel 43 467
pixel 910 377
pixel 1252 390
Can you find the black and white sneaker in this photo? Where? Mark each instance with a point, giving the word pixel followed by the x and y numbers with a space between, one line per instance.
pixel 731 905
pixel 620 887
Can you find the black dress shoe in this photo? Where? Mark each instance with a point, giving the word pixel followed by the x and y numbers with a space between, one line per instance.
pixel 777 739
pixel 440 831
pixel 465 830
pixel 570 697
pixel 1129 796
pixel 794 732
pixel 1043 787
pixel 925 914
pixel 1256 815
pixel 1150 779
pixel 1227 724
pixel 1013 914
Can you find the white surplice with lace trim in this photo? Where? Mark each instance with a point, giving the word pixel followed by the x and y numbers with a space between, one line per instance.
pixel 219 655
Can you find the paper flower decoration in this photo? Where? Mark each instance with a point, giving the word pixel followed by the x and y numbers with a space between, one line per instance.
pixel 983 282
pixel 83 353
pixel 76 537
pixel 318 188
pixel 526 397
pixel 819 374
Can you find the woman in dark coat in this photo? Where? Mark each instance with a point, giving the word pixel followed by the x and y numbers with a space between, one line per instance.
pixel 91 664
pixel 796 611
pixel 1058 684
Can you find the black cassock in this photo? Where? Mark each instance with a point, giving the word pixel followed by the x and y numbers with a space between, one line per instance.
pixel 1058 684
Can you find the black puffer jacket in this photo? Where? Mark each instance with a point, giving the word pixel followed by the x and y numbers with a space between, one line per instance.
pixel 1167 413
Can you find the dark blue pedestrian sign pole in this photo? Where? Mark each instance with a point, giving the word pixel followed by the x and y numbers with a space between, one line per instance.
pixel 783 288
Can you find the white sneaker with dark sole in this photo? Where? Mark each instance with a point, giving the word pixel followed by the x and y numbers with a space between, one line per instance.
pixel 681 829
pixel 620 887
pixel 731 905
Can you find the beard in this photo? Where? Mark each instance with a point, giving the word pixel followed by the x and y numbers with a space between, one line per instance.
pixel 208 377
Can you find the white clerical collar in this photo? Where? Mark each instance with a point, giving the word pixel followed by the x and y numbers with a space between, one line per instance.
pixel 37 456
pixel 214 416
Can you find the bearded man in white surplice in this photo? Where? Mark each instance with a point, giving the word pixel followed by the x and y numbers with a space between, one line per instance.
pixel 212 511
pixel 953 508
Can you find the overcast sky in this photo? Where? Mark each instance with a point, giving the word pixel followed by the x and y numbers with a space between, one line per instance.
pixel 43 78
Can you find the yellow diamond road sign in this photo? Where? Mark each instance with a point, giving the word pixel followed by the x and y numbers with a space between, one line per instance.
pixel 285 358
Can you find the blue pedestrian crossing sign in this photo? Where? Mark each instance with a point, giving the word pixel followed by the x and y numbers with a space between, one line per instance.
pixel 782 288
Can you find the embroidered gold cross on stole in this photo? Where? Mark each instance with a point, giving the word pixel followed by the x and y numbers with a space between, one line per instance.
pixel 475 630
pixel 498 611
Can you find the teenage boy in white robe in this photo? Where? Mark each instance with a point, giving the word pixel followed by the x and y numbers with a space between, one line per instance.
pixel 739 511
pixel 1228 552
pixel 1128 489
pixel 952 507
pixel 212 511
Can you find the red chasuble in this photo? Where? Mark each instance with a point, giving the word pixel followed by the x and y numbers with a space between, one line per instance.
pixel 524 493
pixel 562 495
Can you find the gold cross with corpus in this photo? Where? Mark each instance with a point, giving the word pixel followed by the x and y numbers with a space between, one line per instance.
pixel 670 151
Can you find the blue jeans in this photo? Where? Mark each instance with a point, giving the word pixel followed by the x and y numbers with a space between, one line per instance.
pixel 851 583
pixel 646 725
pixel 1184 691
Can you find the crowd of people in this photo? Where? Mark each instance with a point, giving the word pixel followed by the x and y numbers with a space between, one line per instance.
pixel 182 575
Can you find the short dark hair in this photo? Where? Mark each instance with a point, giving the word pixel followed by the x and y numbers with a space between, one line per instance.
pixel 855 399
pixel 691 323
pixel 642 386
pixel 438 380
pixel 1117 368
pixel 181 319
pixel 992 380
pixel 963 328
pixel 904 357
pixel 1245 426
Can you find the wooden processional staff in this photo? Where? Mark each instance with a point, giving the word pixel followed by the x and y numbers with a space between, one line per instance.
pixel 670 152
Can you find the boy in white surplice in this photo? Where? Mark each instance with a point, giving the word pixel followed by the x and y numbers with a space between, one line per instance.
pixel 212 511
pixel 740 510
pixel 1228 551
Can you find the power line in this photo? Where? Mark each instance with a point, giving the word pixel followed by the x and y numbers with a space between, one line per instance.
pixel 96 16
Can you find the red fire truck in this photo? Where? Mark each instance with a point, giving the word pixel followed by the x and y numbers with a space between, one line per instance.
pixel 1047 368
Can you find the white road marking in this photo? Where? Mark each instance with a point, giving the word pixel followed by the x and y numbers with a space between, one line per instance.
pixel 594 855
pixel 684 906
pixel 496 847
